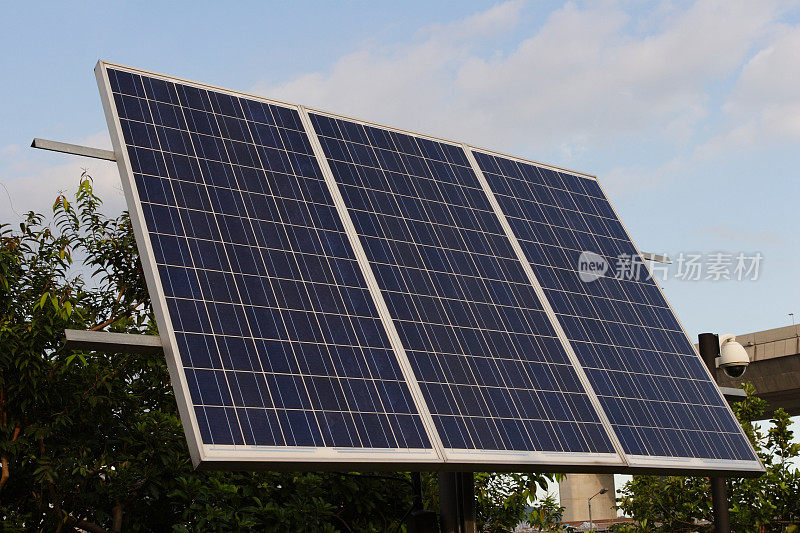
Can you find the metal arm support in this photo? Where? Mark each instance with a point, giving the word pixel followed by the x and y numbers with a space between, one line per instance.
pixel 107 341
pixel 733 395
pixel 74 149
pixel 647 256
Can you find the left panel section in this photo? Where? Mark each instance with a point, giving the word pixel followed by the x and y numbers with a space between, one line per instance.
pixel 276 349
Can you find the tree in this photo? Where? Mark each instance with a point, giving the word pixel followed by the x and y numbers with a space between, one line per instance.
pixel 546 514
pixel 504 500
pixel 93 441
pixel 770 502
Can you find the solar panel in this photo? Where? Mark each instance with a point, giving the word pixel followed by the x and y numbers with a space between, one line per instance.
pixel 492 371
pixel 658 395
pixel 276 336
pixel 331 292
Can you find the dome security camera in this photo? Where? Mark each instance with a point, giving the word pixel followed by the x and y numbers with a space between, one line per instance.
pixel 733 358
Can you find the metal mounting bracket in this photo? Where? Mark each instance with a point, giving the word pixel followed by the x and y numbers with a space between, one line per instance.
pixel 107 341
pixel 732 394
pixel 74 149
pixel 647 256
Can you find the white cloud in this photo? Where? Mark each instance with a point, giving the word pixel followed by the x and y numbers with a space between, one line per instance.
pixel 414 80
pixel 499 18
pixel 9 150
pixel 588 76
pixel 763 107
pixel 767 94
pixel 744 236
pixel 635 179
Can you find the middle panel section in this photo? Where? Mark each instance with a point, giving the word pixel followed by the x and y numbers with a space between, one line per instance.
pixel 489 364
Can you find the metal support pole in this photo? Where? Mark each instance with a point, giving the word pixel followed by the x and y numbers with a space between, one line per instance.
pixel 106 341
pixel 416 488
pixel 719 503
pixel 708 344
pixel 647 256
pixel 457 502
pixel 419 519
pixel 74 149
pixel 466 487
pixel 591 523
pixel 448 502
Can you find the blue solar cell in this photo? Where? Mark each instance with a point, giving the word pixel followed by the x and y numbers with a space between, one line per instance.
pixel 489 365
pixel 280 341
pixel 649 379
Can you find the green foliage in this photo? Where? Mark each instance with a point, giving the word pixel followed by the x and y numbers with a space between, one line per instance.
pixel 770 502
pixel 503 499
pixel 93 441
pixel 545 515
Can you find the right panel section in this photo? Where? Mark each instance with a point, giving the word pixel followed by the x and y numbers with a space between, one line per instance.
pixel 650 381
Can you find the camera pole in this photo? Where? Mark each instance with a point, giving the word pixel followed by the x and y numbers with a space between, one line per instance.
pixel 708 344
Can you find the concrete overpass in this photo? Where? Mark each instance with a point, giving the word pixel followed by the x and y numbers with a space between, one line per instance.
pixel 774 371
pixel 774 367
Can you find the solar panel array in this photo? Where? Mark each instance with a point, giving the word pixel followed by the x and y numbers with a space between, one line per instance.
pixel 334 291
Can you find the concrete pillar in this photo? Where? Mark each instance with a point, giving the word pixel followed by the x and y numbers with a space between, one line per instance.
pixel 575 491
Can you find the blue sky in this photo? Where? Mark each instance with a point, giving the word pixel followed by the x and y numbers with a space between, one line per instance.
pixel 688 112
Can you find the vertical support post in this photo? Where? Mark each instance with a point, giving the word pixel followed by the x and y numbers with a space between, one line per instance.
pixel 719 503
pixel 466 487
pixel 457 502
pixel 708 344
pixel 416 488
pixel 448 502
pixel 420 520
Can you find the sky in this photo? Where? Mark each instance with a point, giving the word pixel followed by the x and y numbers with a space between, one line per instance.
pixel 687 112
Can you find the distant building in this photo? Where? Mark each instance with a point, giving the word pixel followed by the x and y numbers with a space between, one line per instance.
pixel 774 367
